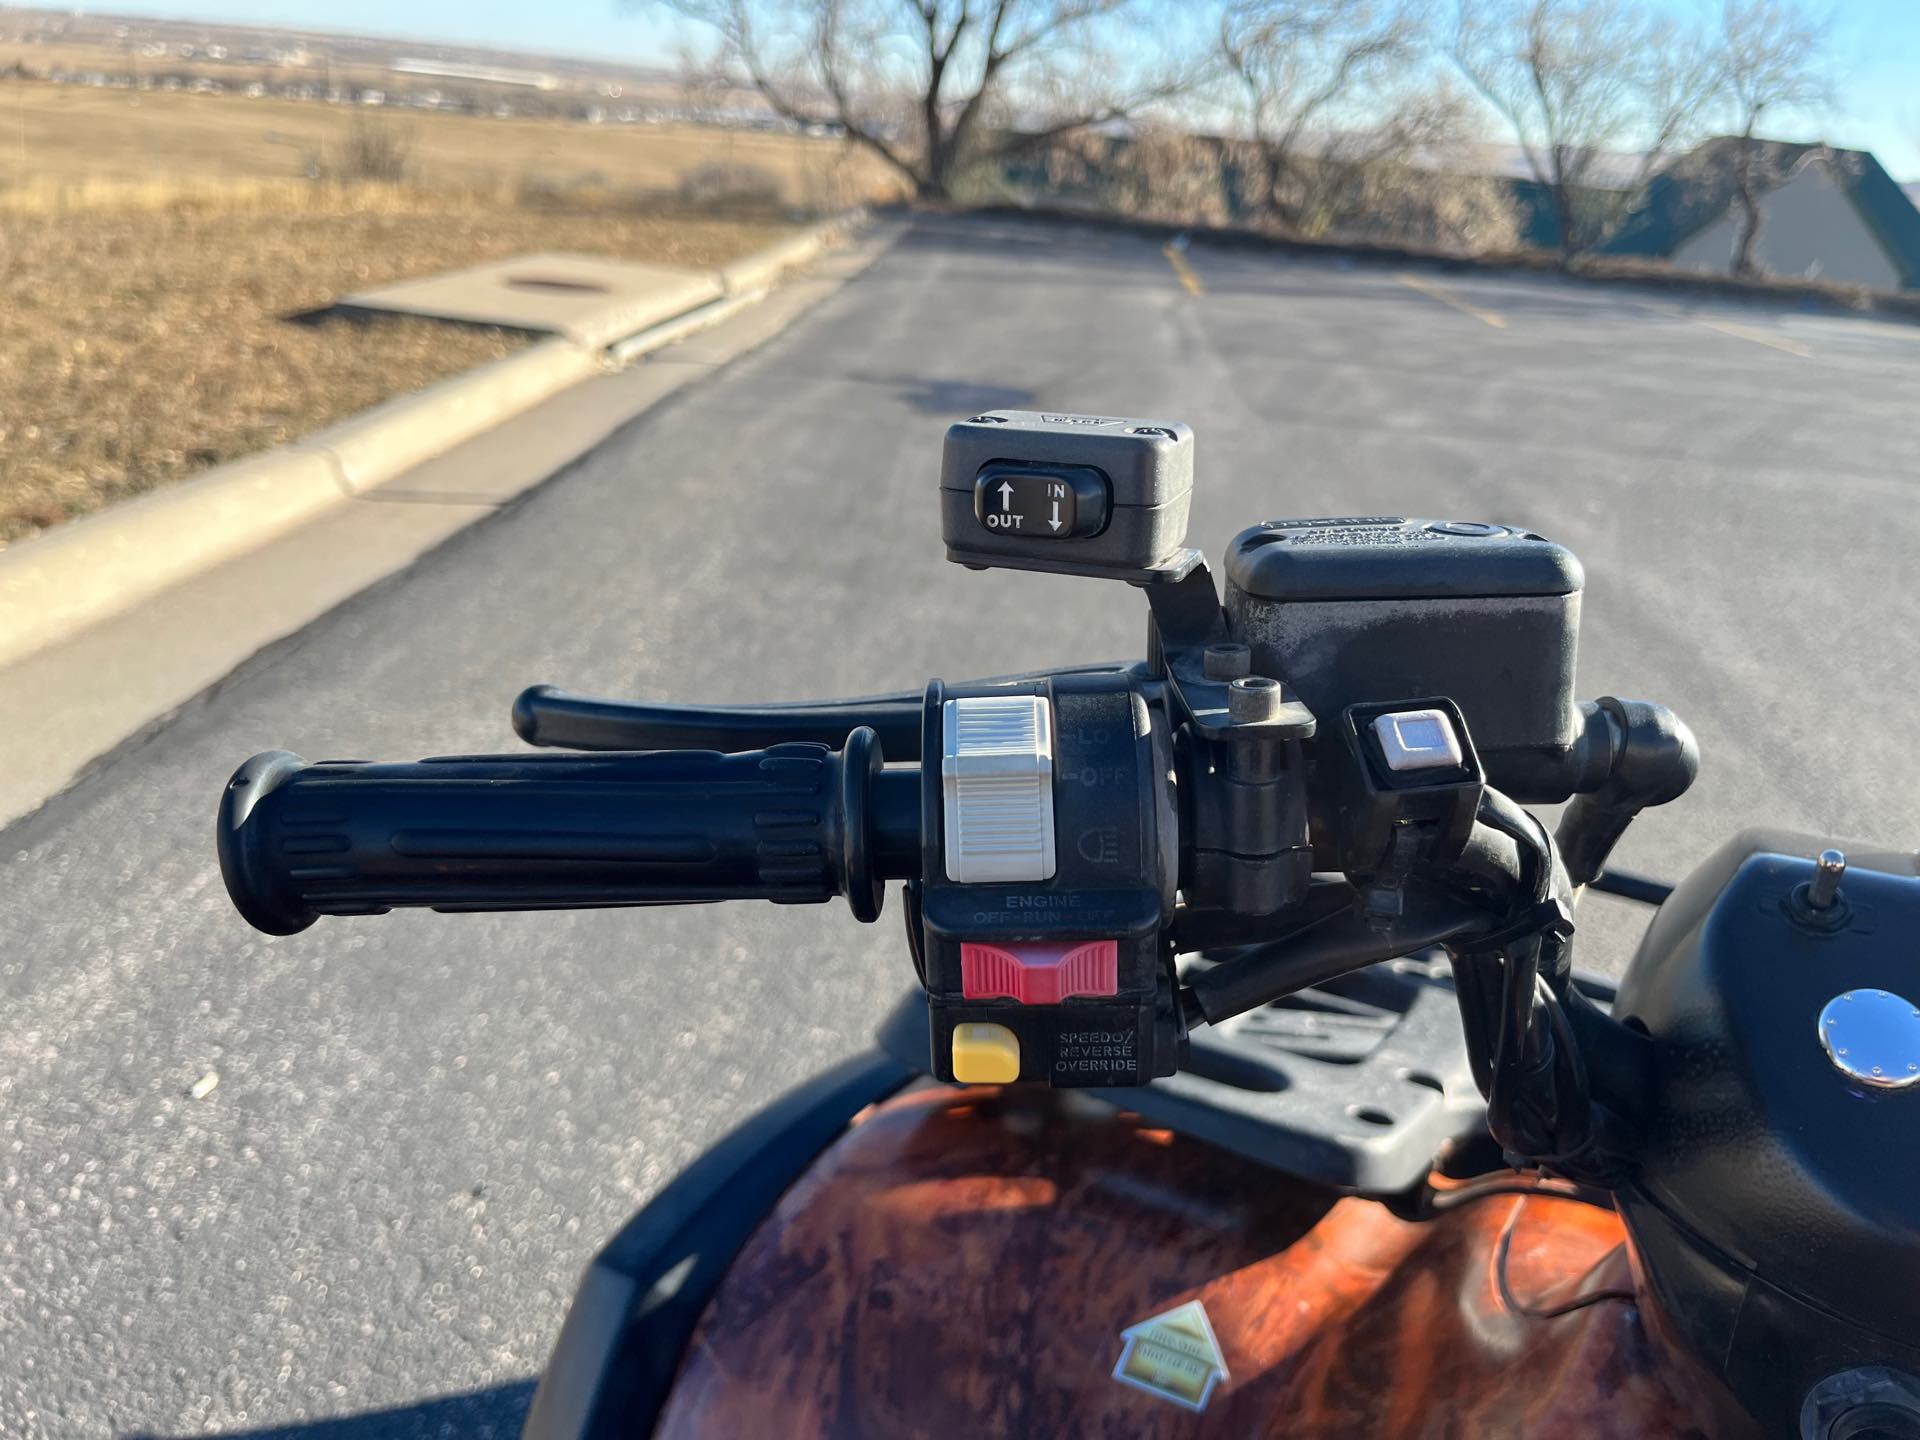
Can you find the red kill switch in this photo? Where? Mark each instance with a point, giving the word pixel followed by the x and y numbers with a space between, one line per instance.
pixel 1039 974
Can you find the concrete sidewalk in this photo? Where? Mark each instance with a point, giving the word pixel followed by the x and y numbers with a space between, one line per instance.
pixel 591 301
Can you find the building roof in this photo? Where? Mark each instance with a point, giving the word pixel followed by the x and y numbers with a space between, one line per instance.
pixel 1696 189
pixel 1889 212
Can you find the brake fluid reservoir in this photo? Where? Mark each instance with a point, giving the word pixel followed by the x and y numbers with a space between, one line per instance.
pixel 1382 608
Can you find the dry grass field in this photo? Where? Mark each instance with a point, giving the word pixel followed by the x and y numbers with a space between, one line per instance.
pixel 65 137
pixel 151 257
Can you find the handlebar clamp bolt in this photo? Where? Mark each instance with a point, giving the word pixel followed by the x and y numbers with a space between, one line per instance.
pixel 1254 699
pixel 1228 660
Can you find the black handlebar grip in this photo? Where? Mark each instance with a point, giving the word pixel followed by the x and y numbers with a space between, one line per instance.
pixel 796 824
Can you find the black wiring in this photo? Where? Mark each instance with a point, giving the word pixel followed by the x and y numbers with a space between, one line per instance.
pixel 1514 1045
pixel 1503 1248
pixel 1539 1099
pixel 1567 1056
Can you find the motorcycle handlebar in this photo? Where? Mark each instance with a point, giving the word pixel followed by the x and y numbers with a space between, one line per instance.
pixel 794 823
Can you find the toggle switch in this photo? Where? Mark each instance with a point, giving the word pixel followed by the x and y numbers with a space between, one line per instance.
pixel 996 779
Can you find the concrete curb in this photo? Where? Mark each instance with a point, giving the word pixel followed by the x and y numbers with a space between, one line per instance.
pixel 81 573
pixel 60 582
pixel 397 435
pixel 764 266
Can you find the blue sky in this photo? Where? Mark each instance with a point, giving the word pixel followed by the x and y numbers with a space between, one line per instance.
pixel 1876 48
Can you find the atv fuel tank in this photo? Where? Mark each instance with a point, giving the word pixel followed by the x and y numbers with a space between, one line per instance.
pixel 975 1263
pixel 1777 1202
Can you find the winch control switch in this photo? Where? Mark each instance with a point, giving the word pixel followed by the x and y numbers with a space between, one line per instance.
pixel 1100 495
pixel 1062 502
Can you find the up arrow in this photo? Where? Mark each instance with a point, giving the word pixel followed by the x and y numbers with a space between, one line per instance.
pixel 1006 495
pixel 1055 521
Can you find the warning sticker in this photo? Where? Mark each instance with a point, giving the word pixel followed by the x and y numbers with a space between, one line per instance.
pixel 1173 1356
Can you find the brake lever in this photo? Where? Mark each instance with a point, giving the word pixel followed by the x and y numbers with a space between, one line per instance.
pixel 548 716
pixel 544 715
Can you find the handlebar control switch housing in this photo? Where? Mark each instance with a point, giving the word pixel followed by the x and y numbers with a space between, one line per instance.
pixel 1382 608
pixel 1072 494
pixel 1050 969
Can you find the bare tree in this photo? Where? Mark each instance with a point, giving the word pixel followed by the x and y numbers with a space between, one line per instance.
pixel 1402 180
pixel 703 84
pixel 918 81
pixel 1773 56
pixel 1295 62
pixel 1575 79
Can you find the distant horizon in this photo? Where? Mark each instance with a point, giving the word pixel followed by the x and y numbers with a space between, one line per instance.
pixel 242 14
pixel 1874 51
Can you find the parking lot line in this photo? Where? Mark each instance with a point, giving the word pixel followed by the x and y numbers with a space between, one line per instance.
pixel 1729 327
pixel 1176 257
pixel 1447 297
pixel 1758 337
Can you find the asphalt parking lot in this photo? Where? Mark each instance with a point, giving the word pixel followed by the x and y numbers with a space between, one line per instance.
pixel 425 1125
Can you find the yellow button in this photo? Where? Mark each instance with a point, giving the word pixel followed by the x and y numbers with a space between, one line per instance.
pixel 985 1054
